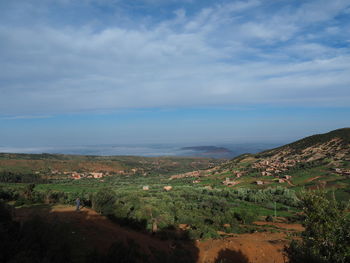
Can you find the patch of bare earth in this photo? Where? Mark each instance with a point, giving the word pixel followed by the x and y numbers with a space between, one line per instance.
pixel 244 248
pixel 285 226
pixel 313 179
pixel 98 232
pixel 260 247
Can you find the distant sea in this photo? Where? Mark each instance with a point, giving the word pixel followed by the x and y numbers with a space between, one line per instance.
pixel 149 150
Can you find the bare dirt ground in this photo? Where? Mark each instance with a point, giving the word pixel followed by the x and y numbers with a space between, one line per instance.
pixel 312 179
pixel 290 183
pixel 244 248
pixel 98 232
pixel 285 226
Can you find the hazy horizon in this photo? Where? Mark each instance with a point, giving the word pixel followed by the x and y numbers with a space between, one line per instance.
pixel 148 150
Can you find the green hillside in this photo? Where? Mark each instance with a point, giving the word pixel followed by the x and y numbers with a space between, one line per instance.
pixel 342 134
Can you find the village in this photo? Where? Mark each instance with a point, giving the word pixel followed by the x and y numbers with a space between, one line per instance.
pixel 273 167
pixel 265 168
pixel 85 174
pixel 340 171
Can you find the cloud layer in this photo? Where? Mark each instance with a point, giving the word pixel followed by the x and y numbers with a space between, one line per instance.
pixel 70 56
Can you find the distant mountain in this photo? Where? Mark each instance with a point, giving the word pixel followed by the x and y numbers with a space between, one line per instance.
pixel 227 150
pixel 209 151
pixel 206 149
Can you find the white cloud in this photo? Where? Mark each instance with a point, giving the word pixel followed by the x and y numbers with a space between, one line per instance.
pixel 321 10
pixel 223 54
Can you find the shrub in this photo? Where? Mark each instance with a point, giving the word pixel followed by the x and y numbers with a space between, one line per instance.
pixel 327 232
pixel 269 218
pixel 201 231
pixel 245 216
pixel 55 197
pixel 103 201
pixel 8 194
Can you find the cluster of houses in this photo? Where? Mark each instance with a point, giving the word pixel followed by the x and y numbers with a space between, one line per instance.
pixel 342 171
pixel 165 188
pixel 230 182
pixel 96 175
pixel 238 174
pixel 79 175
pixel 266 168
pixel 195 174
pixel 274 167
pixel 284 179
pixel 185 175
pixel 86 174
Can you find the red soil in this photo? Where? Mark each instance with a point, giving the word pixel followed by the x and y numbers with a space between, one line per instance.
pixel 256 247
pixel 99 232
pixel 294 227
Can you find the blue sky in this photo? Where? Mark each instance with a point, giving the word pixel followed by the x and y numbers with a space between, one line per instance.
pixel 115 71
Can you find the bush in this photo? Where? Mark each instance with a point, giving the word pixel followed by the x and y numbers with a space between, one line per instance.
pixel 269 218
pixel 103 201
pixel 201 231
pixel 327 232
pixel 55 197
pixel 8 194
pixel 246 216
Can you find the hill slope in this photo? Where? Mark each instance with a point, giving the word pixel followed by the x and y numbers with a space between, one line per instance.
pixel 333 146
pixel 321 160
pixel 78 166
pixel 334 143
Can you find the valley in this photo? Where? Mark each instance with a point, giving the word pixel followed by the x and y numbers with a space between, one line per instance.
pixel 196 209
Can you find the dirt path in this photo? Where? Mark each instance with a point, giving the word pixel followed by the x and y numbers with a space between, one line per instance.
pixel 99 232
pixel 290 183
pixel 312 179
pixel 293 227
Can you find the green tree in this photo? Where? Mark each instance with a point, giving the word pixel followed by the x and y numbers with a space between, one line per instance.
pixel 327 232
pixel 103 201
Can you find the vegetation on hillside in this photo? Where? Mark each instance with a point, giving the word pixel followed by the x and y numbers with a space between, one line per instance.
pixel 203 211
pixel 162 197
pixel 342 134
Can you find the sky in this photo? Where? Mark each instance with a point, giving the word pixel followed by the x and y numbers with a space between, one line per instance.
pixel 87 72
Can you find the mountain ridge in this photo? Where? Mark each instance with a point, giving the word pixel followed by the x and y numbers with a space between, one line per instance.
pixel 327 143
pixel 342 133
